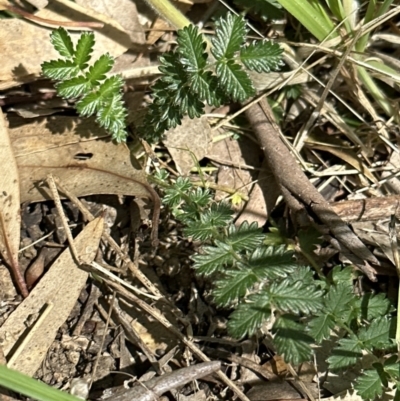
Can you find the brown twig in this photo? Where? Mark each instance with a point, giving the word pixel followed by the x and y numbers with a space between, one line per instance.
pixel 294 184
pixel 14 265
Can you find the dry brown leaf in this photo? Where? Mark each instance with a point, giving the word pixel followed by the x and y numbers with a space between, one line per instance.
pixel 10 218
pixel 122 15
pixel 262 198
pixel 50 302
pixel 232 175
pixel 349 157
pixel 84 166
pixel 28 45
pixel 188 143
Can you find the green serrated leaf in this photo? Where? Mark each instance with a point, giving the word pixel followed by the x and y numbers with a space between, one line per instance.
pixel 379 334
pixel 369 385
pixel 346 354
pixel 111 86
pixel 305 275
pixel 245 237
pixel 234 285
pixel 320 327
pixel 262 56
pixel 342 276
pixel 62 42
pixel 205 84
pixel 295 297
pixel 338 299
pixel 213 258
pixel 59 69
pixel 248 317
pixel 89 104
pixel 374 306
pixel 192 48
pixel 291 341
pixel 73 87
pixel 272 262
pixel 234 81
pixel 209 222
pixel 392 367
pixel 97 72
pixel 84 49
pixel 112 115
pixel 230 34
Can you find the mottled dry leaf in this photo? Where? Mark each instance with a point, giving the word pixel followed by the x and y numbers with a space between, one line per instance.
pixel 236 159
pixel 62 147
pixel 55 294
pixel 188 143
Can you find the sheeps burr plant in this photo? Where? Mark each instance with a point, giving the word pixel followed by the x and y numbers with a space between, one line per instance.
pixel 256 282
pixel 261 283
pixel 189 79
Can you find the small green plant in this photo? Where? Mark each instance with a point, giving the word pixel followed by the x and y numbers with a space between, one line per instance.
pixel 262 283
pixel 97 94
pixel 191 78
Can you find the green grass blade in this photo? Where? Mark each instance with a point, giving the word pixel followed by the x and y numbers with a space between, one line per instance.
pixel 29 387
pixel 312 16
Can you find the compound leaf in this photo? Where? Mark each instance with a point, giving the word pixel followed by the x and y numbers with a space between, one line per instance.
pixel 59 69
pixel 62 42
pixel 192 49
pixel 213 258
pixel 234 81
pixel 206 86
pixel 89 104
pixel 111 86
pixel 291 341
pixel 245 237
pixel 369 385
pixel 345 354
pixel 374 306
pixel 320 327
pixel 272 262
pixel 379 334
pixel 295 297
pixel 262 56
pixel 338 300
pixel 234 285
pixel 111 116
pixel 230 34
pixel 97 72
pixel 249 316
pixel 84 48
pixel 73 87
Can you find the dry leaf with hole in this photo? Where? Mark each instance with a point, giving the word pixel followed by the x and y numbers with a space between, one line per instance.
pixel 10 218
pixel 50 303
pixel 188 143
pixel 62 146
pixel 237 160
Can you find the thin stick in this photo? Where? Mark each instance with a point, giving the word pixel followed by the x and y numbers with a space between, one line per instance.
pixel 57 202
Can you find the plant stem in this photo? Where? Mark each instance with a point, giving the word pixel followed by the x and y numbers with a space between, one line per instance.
pixel 171 14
